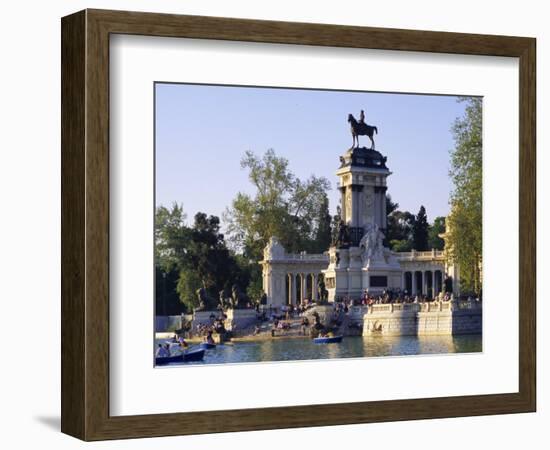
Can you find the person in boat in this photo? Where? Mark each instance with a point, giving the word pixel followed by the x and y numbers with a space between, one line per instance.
pixel 162 351
pixel 209 339
pixel 182 342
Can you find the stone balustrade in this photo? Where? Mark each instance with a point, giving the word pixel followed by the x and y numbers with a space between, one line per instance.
pixel 416 255
pixel 428 318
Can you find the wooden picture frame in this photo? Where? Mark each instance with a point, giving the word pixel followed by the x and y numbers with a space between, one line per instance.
pixel 85 224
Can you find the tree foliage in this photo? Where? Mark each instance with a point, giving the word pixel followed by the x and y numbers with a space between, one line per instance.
pixel 294 210
pixel 399 227
pixel 323 233
pixel 435 229
pixel 171 236
pixel 197 254
pixel 420 230
pixel 406 232
pixel 464 224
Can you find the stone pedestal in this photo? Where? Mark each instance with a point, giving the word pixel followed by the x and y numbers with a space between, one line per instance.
pixel 240 321
pixel 349 275
pixel 381 273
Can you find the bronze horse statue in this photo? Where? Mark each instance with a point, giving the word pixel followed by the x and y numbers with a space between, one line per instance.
pixel 361 129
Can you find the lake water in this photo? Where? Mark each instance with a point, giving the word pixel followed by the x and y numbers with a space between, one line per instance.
pixel 350 347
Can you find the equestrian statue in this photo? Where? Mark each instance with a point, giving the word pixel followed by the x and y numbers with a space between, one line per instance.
pixel 360 128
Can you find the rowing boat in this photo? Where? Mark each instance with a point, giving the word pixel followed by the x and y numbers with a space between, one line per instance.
pixel 328 340
pixel 193 355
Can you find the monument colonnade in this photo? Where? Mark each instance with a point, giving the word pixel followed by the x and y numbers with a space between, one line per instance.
pixel 423 272
pixel 298 279
pixel 291 278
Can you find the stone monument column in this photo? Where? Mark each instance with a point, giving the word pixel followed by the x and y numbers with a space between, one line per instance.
pixel 362 181
pixel 359 261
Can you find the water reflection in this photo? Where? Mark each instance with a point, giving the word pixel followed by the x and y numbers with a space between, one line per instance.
pixel 351 347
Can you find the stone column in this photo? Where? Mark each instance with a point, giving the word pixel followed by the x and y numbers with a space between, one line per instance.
pixel 354 202
pixel 426 281
pixel 413 283
pixel 423 282
pixel 314 287
pixel 434 293
pixel 377 207
pixel 292 288
pixel 343 203
pixel 289 288
pixel 303 291
pixel 384 217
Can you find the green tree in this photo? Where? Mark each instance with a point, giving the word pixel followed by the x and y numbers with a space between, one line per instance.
pixel 399 227
pixel 282 206
pixel 171 236
pixel 434 230
pixel 390 205
pixel 167 300
pixel 464 224
pixel 420 230
pixel 188 258
pixel 186 288
pixel 323 232
pixel 171 239
pixel 208 256
pixel 401 245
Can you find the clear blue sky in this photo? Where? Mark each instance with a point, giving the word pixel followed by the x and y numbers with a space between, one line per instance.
pixel 203 131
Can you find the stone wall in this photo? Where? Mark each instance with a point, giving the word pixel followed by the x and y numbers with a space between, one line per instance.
pixel 467 321
pixel 435 318
pixel 391 320
pixel 241 321
pixel 167 323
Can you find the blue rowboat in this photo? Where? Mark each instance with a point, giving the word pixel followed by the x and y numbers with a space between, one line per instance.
pixel 193 355
pixel 207 345
pixel 328 340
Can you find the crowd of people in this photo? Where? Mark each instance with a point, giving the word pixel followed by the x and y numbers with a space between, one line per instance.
pixel 391 296
pixel 166 349
pixel 281 319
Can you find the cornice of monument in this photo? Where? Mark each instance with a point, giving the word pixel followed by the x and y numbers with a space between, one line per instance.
pixel 363 157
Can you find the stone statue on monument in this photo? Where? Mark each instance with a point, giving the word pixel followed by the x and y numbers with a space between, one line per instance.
pixel 274 249
pixel 372 243
pixel 322 292
pixel 360 128
pixel 206 303
pixel 342 238
pixel 224 301
pixel 240 299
